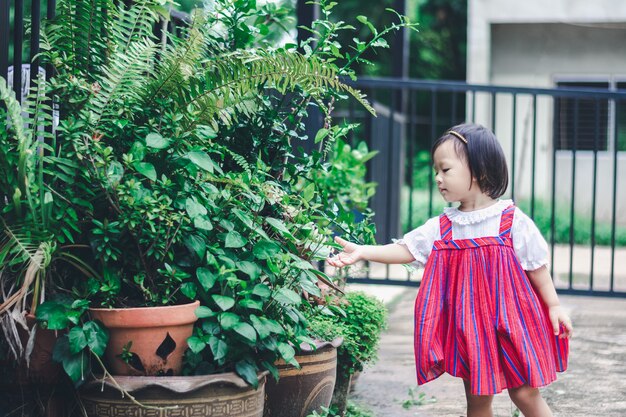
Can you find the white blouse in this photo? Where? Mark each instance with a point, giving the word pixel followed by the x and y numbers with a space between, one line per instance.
pixel 529 245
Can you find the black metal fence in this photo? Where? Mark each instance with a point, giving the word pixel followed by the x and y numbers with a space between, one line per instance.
pixel 566 151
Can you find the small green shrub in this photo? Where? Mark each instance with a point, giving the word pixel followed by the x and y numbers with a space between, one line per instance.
pixel 360 321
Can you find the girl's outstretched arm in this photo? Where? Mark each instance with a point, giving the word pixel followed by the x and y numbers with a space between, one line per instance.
pixel 388 254
pixel 542 281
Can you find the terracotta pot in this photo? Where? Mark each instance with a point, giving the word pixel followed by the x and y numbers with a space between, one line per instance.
pixel 157 337
pixel 221 395
pixel 299 392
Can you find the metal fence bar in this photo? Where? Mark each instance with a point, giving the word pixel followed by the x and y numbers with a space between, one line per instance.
pixel 616 104
pixel 596 139
pixel 573 191
pixel 533 159
pixel 553 194
pixel 513 144
pixel 493 111
pixel 18 38
pixel 433 133
pixel 4 38
pixel 411 145
pixel 35 26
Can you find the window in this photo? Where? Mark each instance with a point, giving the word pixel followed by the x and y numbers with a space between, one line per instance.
pixel 583 122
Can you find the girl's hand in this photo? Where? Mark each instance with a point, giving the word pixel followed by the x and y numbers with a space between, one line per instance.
pixel 557 318
pixel 351 253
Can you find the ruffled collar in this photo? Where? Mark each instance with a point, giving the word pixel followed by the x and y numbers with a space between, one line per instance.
pixel 471 217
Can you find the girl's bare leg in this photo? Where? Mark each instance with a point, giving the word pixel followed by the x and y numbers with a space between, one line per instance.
pixel 529 401
pixel 477 405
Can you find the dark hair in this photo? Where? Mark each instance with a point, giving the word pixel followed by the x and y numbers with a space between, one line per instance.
pixel 483 154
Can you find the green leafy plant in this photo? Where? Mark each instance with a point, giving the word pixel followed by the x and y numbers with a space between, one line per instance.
pixel 359 319
pixel 417 398
pixel 171 175
pixel 352 410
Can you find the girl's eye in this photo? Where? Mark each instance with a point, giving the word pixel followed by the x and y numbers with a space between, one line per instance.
pixel 446 169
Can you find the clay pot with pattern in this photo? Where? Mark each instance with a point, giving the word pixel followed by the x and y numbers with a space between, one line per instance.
pixel 222 395
pixel 147 341
pixel 299 392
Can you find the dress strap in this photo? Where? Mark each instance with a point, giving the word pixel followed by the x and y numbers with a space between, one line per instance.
pixel 445 227
pixel 506 221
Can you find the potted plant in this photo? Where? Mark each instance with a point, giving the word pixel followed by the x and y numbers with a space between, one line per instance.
pixel 359 319
pixel 178 180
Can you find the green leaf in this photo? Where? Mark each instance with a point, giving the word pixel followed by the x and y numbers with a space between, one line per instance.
pixel 202 160
pixel 320 135
pixel 77 340
pixel 246 331
pixel 189 289
pixel 204 312
pixel 244 217
pixel 249 268
pixel 287 296
pixel 311 288
pixel 194 208
pixel 156 141
pixel 235 240
pixel 114 173
pixel 262 291
pixel 206 278
pixel 203 223
pixel 146 169
pixel 248 372
pixel 278 225
pixel 308 192
pixel 76 366
pixel 206 132
pixel 196 344
pixel 262 329
pixel 272 325
pixel 223 301
pixel 288 353
pixel 218 347
pixel 54 315
pixel 252 304
pixel 228 320
pixel 196 244
pixel 97 337
pixel 265 249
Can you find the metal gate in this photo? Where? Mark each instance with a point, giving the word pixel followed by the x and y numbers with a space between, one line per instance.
pixel 566 150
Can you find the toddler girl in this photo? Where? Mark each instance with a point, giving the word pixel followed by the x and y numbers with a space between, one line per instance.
pixel 486 310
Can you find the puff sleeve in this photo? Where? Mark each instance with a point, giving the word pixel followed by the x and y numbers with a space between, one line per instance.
pixel 420 241
pixel 530 246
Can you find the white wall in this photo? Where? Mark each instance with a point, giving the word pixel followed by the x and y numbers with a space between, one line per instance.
pixel 532 44
pixel 483 13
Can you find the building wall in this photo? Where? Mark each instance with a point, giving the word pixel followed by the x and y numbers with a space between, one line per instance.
pixel 535 44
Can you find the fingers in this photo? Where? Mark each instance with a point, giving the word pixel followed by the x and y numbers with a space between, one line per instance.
pixel 567 328
pixel 555 324
pixel 341 241
pixel 338 260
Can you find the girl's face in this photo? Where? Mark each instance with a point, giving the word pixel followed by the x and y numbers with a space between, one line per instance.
pixel 452 174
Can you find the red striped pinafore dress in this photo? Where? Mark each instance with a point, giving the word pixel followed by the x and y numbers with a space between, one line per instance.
pixel 478 317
